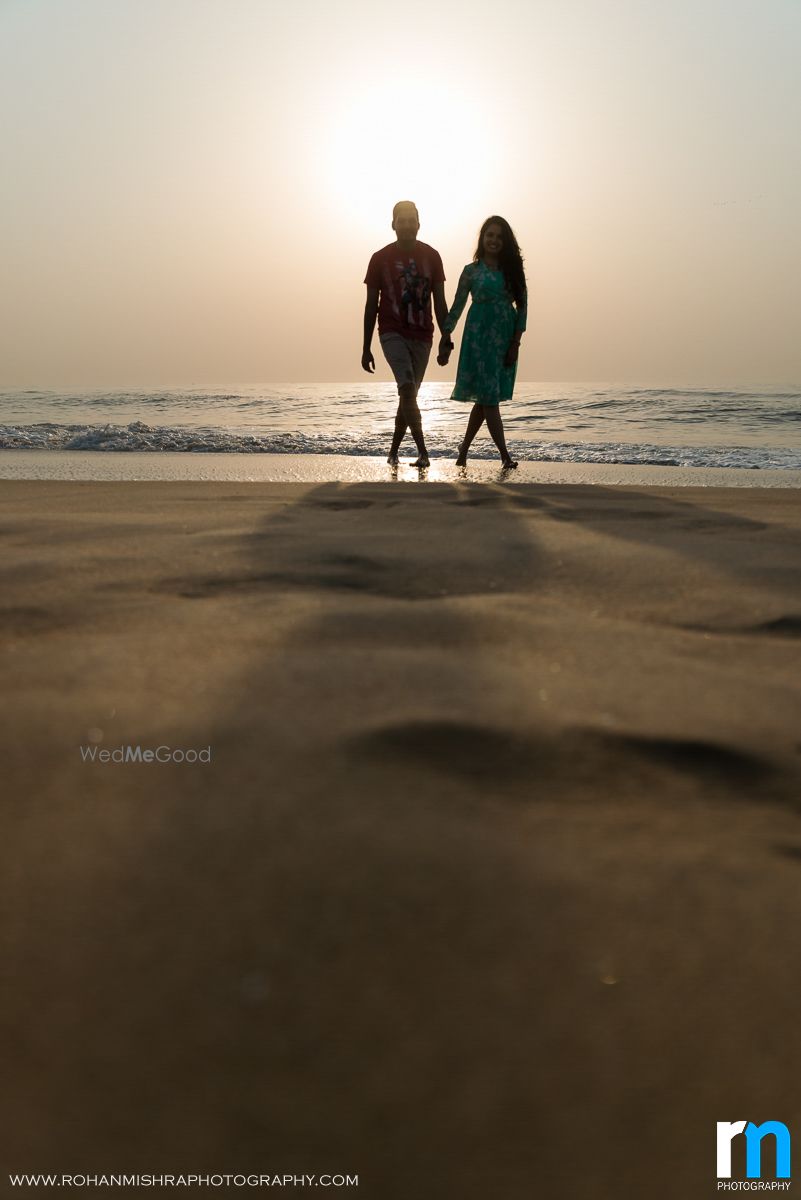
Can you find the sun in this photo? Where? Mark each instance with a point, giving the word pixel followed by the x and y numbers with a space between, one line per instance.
pixel 437 149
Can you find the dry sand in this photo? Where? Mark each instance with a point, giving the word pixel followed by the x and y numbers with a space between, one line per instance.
pixel 492 886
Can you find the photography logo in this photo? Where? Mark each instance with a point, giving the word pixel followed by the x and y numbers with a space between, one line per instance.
pixel 759 1159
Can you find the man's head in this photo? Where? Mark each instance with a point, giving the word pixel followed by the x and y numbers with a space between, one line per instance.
pixel 405 221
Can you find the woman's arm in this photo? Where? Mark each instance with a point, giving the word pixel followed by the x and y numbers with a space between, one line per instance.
pixel 522 317
pixel 520 328
pixel 459 301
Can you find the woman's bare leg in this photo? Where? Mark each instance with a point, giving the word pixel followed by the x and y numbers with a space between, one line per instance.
pixel 474 423
pixel 492 415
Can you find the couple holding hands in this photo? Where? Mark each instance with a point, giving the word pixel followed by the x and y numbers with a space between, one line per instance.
pixel 402 281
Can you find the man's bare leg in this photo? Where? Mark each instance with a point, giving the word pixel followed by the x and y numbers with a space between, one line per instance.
pixel 401 426
pixel 411 412
pixel 474 423
pixel 492 414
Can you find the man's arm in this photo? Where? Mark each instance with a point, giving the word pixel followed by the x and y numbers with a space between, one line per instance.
pixel 440 306
pixel 370 314
pixel 441 312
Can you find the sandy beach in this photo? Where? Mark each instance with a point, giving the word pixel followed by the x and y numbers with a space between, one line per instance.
pixel 491 885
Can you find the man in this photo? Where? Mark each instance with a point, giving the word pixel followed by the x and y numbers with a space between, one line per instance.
pixel 401 281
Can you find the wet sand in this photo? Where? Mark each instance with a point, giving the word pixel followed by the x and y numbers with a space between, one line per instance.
pixel 169 466
pixel 491 886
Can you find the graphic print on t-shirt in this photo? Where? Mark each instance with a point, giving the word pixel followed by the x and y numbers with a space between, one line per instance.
pixel 415 293
pixel 405 283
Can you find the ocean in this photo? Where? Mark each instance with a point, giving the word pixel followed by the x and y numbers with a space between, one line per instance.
pixel 757 428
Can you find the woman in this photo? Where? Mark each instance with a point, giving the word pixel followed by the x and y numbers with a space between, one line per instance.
pixel 493 329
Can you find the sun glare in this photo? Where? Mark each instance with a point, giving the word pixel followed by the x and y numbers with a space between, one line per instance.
pixel 437 149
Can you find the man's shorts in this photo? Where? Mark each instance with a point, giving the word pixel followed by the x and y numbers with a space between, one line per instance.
pixel 407 358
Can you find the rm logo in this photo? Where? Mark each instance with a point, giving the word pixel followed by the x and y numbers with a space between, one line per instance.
pixel 727 1130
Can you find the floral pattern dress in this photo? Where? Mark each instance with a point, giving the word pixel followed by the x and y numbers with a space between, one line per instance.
pixel 492 321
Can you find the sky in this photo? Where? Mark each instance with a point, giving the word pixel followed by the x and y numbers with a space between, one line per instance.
pixel 190 190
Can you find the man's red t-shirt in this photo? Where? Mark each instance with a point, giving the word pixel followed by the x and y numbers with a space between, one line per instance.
pixel 405 280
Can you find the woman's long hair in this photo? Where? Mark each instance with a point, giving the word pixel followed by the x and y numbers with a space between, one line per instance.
pixel 510 260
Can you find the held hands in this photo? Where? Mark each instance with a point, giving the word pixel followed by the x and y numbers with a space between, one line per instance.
pixel 368 362
pixel 445 348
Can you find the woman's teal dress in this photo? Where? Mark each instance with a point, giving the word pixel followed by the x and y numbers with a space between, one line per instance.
pixel 492 322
